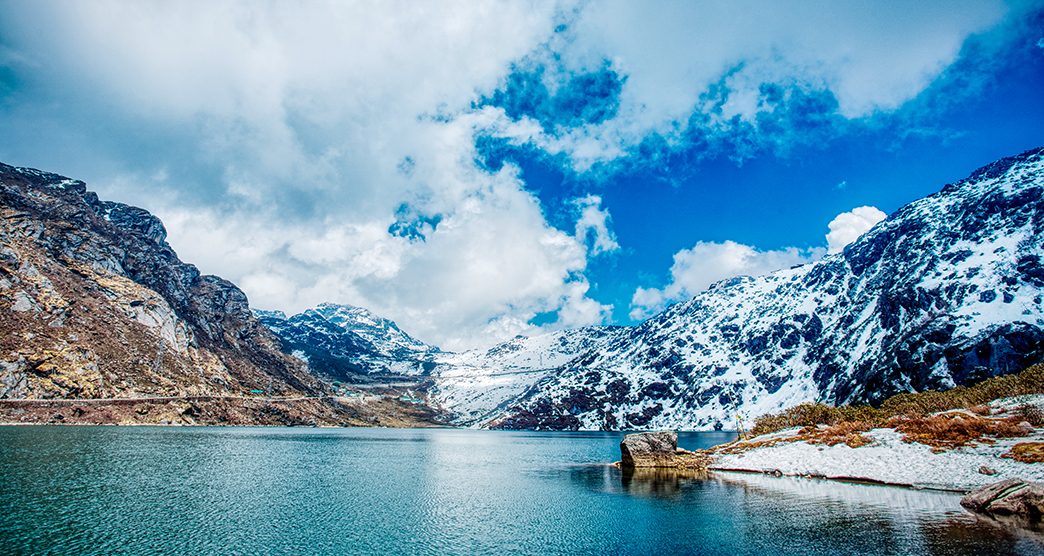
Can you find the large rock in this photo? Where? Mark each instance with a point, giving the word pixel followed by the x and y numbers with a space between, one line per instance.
pixel 1010 497
pixel 657 449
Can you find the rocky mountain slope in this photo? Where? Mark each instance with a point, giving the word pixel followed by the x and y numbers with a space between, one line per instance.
pixel 946 291
pixel 346 343
pixel 94 304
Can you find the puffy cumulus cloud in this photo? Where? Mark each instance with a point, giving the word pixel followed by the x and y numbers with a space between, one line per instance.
pixel 594 225
pixel 695 269
pixel 479 272
pixel 723 65
pixel 848 226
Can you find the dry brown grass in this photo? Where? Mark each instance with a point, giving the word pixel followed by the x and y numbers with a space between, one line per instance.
pixel 953 430
pixel 812 414
pixel 1027 452
pixel 848 432
pixel 921 404
pixel 741 446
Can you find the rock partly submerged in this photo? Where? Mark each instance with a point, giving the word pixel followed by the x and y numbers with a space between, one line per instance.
pixel 1008 498
pixel 658 450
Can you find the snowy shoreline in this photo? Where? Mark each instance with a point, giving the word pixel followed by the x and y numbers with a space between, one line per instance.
pixel 887 459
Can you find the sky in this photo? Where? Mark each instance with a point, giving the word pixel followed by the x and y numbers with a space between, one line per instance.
pixel 478 170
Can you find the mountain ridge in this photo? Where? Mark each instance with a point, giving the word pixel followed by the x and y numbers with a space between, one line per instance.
pixel 348 343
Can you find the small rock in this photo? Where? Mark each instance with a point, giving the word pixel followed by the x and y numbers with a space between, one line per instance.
pixel 987 471
pixel 1026 426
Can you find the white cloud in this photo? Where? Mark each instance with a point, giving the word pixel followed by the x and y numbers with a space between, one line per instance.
pixel 271 138
pixel 707 262
pixel 872 57
pixel 848 226
pixel 594 224
pixel 695 269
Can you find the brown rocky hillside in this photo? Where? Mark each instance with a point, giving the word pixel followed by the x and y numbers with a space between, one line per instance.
pixel 94 303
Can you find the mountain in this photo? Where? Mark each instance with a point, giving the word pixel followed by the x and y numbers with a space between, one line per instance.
pixel 348 343
pixel 946 291
pixel 94 304
pixel 475 385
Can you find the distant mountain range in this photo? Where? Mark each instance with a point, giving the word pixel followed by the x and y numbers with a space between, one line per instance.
pixel 946 291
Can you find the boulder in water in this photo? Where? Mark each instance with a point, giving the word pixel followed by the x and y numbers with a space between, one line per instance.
pixel 658 449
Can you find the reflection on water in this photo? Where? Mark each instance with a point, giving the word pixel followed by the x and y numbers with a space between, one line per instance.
pixel 649 482
pixel 807 512
pixel 659 482
pixel 100 490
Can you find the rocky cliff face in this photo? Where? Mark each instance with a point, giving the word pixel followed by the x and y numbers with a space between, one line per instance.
pixel 946 291
pixel 94 303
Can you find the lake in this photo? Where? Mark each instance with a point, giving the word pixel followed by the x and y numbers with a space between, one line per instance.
pixel 168 490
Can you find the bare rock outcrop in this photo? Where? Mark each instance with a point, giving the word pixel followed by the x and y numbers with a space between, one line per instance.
pixel 1008 498
pixel 658 450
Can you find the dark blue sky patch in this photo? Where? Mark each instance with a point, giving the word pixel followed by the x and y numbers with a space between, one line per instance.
pixel 583 99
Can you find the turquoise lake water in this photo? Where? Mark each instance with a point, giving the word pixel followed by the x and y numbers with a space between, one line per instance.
pixel 212 490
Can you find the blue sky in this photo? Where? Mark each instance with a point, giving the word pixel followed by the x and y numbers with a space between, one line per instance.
pixel 475 171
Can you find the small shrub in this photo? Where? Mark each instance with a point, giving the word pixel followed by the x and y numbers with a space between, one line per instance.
pixel 1027 452
pixel 849 432
pixel 1031 413
pixel 953 430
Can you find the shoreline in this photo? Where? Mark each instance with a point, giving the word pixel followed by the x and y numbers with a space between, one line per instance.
pixel 293 411
pixel 847 480
pixel 712 468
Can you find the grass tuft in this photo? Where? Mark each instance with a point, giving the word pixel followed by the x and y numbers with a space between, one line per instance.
pixel 953 430
pixel 1027 452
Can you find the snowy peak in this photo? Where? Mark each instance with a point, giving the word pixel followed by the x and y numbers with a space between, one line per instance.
pixel 478 384
pixel 384 334
pixel 350 344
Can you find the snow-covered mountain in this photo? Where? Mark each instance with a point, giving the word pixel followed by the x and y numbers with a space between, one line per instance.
pixel 946 291
pixel 476 385
pixel 348 343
